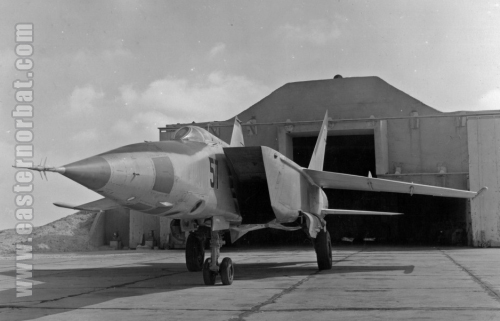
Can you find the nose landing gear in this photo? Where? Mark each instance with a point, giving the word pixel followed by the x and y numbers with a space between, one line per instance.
pixel 211 266
pixel 209 276
pixel 227 271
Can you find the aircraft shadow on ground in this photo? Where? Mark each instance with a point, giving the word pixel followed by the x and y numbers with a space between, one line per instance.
pixel 70 289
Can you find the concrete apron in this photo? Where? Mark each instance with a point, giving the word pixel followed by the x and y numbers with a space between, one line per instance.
pixel 371 283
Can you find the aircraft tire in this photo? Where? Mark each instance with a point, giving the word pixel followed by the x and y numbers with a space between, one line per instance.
pixel 208 275
pixel 323 248
pixel 195 253
pixel 227 271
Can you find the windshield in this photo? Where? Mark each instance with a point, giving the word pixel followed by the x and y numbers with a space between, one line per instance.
pixel 197 134
pixel 191 133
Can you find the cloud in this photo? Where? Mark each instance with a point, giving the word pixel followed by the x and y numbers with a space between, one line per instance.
pixel 215 97
pixel 121 127
pixel 83 99
pixel 88 135
pixel 117 53
pixel 9 74
pixel 317 32
pixel 83 57
pixel 128 94
pixel 139 127
pixel 490 100
pixel 138 122
pixel 217 49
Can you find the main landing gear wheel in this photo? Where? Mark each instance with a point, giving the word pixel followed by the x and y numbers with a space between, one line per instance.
pixel 226 271
pixel 323 248
pixel 195 253
pixel 208 275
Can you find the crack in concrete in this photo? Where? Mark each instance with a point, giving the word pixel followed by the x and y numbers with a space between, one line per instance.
pixel 111 309
pixel 388 309
pixel 107 288
pixel 491 292
pixel 266 311
pixel 277 296
pixel 96 289
pixel 90 269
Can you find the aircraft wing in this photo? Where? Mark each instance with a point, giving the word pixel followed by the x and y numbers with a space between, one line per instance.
pixel 96 206
pixel 327 211
pixel 353 182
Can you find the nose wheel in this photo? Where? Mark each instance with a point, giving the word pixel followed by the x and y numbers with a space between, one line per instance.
pixel 209 276
pixel 211 267
pixel 227 271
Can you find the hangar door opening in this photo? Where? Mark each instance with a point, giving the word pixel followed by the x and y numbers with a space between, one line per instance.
pixel 426 219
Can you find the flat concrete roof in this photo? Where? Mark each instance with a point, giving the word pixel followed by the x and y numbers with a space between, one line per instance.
pixel 365 283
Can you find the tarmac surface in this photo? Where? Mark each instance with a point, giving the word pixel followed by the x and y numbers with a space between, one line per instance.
pixel 365 283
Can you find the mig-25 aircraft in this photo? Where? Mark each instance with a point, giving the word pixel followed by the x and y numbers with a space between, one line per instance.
pixel 213 187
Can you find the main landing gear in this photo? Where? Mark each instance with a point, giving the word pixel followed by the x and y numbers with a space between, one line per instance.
pixel 211 266
pixel 315 227
pixel 195 252
pixel 323 248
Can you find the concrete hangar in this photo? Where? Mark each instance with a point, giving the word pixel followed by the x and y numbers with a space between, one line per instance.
pixel 374 128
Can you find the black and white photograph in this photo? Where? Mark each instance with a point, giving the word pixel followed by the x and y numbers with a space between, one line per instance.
pixel 250 160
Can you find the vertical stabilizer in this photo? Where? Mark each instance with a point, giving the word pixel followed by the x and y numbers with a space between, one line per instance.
pixel 318 156
pixel 237 136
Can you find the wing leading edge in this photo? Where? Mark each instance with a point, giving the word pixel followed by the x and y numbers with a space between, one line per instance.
pixel 354 182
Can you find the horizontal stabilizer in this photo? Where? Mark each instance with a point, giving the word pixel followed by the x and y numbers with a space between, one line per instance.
pixel 327 211
pixel 360 183
pixel 239 231
pixel 96 206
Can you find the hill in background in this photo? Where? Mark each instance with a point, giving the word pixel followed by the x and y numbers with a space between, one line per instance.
pixel 69 234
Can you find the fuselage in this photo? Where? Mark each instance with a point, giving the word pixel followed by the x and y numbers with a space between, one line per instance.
pixel 186 178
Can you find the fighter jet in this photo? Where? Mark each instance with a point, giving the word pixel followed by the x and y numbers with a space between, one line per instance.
pixel 213 187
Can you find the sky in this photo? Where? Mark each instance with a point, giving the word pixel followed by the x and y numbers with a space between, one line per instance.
pixel 108 73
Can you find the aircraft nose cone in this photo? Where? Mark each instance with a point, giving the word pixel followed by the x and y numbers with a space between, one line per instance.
pixel 93 172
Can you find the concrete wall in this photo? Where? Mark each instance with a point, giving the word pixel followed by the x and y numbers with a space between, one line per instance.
pixel 141 224
pixel 164 231
pixel 96 235
pixel 131 225
pixel 117 221
pixel 484 167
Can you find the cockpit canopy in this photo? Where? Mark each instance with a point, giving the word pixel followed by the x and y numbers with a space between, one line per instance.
pixel 196 134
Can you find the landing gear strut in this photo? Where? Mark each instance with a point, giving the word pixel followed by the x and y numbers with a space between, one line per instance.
pixel 211 266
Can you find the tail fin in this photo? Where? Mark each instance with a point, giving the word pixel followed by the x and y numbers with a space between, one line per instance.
pixel 318 156
pixel 237 136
